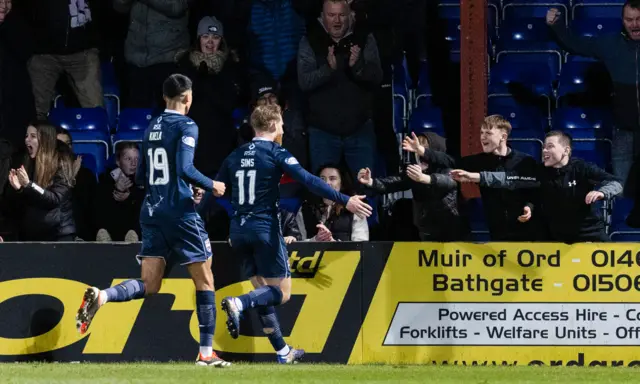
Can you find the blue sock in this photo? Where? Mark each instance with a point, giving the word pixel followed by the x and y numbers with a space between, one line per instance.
pixel 126 291
pixel 206 310
pixel 269 319
pixel 265 296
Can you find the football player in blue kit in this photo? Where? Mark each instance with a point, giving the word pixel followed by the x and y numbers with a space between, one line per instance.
pixel 172 230
pixel 253 171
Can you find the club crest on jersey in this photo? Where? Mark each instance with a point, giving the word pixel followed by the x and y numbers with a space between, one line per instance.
pixel 291 161
pixel 190 141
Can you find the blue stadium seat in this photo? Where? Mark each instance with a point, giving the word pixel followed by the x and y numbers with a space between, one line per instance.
pixel 601 10
pixel 127 136
pixel 531 147
pixel 478 224
pixel 527 122
pixel 532 9
pixel 98 151
pixel 584 77
pixel 89 162
pixel 539 54
pixel 426 120
pixel 620 231
pixel 239 115
pixel 525 31
pixel 596 27
pixel 80 119
pixel 399 113
pixel 526 79
pixel 134 119
pixel 583 123
pixel 109 80
pixel 597 152
pixel 423 88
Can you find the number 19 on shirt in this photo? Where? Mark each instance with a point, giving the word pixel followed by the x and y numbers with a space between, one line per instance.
pixel 158 161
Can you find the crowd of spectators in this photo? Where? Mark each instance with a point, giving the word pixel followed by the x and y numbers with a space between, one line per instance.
pixel 328 63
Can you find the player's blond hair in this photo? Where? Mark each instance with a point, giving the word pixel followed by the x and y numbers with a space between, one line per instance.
pixel 497 122
pixel 264 117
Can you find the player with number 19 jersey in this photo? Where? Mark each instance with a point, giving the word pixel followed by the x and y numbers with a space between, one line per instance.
pixel 170 224
pixel 168 141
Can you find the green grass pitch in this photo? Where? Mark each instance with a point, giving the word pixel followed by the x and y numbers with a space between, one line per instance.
pixel 183 373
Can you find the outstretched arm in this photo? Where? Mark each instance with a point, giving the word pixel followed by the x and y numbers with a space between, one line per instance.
pixel 292 167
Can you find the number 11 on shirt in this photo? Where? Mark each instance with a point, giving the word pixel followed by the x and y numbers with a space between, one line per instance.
pixel 251 175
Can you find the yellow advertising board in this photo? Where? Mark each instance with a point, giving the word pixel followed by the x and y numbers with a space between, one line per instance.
pixel 505 304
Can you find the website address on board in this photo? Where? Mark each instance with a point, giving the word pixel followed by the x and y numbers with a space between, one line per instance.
pixel 580 361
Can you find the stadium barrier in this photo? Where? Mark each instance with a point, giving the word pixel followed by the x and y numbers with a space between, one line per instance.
pixel 397 303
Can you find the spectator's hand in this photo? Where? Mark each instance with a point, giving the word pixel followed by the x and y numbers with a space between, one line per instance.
pixel 355 55
pixel 553 15
pixel 23 178
pixel 324 234
pixel 526 215
pixel 414 172
pixel 331 58
pixel 198 193
pixel 123 183
pixel 411 144
pixel 462 176
pixel 289 239
pixel 364 177
pixel 120 196
pixel 13 179
pixel 218 188
pixel 357 206
pixel 593 196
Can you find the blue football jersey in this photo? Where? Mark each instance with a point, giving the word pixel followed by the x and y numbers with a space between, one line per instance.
pixel 254 171
pixel 166 168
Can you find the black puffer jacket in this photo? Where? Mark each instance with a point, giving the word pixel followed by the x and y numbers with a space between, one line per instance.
pixel 44 214
pixel 436 206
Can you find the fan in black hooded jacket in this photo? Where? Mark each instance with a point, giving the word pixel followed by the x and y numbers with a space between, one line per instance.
pixel 568 191
pixel 436 209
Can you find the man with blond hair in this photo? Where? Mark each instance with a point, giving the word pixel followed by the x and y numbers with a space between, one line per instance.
pixel 508 212
pixel 253 171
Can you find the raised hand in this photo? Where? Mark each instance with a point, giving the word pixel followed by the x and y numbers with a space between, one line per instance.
pixel 553 15
pixel 411 144
pixel 364 177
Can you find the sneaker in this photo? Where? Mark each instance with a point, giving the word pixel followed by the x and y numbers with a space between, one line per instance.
pixel 103 236
pixel 233 316
pixel 131 237
pixel 90 305
pixel 293 357
pixel 212 361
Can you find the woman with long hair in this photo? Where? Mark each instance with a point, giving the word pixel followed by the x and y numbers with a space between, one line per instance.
pixel 43 185
pixel 325 220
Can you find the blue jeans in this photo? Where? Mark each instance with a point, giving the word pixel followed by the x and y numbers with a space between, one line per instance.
pixel 622 153
pixel 358 149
